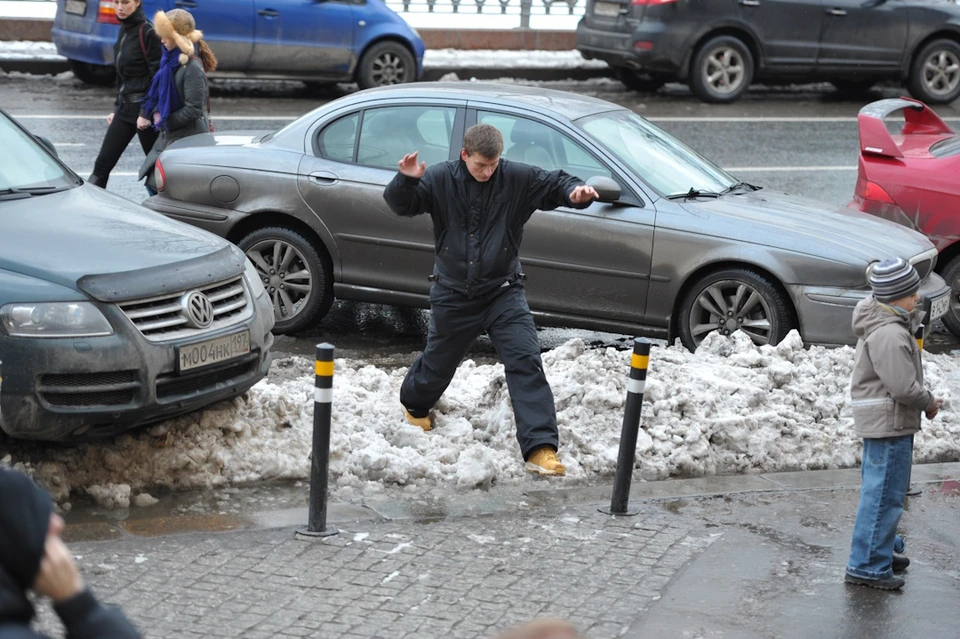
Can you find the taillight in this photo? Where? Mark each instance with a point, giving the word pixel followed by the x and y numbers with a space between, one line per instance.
pixel 651 2
pixel 871 191
pixel 107 13
pixel 159 176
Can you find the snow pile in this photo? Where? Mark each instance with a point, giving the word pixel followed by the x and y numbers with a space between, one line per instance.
pixel 731 407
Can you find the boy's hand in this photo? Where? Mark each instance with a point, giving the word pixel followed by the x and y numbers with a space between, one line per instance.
pixel 409 167
pixel 937 403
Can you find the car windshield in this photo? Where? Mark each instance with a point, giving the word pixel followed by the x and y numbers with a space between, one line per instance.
pixel 25 165
pixel 665 163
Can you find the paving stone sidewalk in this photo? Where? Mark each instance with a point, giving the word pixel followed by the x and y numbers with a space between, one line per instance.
pixel 462 578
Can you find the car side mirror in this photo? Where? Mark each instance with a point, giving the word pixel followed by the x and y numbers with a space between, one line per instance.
pixel 47 143
pixel 606 188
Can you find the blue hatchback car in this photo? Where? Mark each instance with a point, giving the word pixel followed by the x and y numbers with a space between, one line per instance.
pixel 312 40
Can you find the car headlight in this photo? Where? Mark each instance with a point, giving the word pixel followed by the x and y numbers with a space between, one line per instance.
pixel 253 279
pixel 54 319
pixel 872 265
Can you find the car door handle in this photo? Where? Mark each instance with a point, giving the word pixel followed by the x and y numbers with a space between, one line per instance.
pixel 324 178
pixel 186 4
pixel 270 13
pixel 836 12
pixel 750 3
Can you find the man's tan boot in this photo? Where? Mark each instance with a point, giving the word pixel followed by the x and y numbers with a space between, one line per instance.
pixel 423 422
pixel 544 461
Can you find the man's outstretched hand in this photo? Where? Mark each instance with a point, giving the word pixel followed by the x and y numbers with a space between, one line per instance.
pixel 582 194
pixel 408 166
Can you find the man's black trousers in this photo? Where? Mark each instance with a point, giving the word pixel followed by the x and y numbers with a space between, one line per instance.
pixel 455 322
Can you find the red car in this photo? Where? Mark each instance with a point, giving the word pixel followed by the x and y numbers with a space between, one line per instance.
pixel 913 178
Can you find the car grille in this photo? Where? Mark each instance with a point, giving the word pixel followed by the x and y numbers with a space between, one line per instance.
pixel 164 318
pixel 169 386
pixel 81 390
pixel 925 262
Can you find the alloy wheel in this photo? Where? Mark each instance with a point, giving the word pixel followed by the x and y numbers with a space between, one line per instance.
pixel 388 68
pixel 284 273
pixel 941 72
pixel 729 305
pixel 723 70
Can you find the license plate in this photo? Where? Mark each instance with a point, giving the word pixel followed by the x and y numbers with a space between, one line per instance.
pixel 77 7
pixel 213 351
pixel 606 9
pixel 939 306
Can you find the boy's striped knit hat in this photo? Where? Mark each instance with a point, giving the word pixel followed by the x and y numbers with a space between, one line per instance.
pixel 893 279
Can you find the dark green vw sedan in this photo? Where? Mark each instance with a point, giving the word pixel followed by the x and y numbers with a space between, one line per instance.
pixel 113 316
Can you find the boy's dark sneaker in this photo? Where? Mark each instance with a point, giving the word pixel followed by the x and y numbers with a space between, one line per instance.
pixel 890 583
pixel 900 563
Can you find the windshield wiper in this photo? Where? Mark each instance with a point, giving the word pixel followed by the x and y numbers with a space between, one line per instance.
pixel 31 190
pixel 693 193
pixel 739 185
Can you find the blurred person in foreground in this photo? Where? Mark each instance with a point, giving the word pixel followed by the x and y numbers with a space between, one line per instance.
pixel 887 397
pixel 543 629
pixel 34 558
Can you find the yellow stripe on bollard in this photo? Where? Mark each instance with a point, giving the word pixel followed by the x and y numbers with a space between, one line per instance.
pixel 324 369
pixel 640 361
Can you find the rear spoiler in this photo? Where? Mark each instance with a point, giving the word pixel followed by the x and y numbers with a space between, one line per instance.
pixel 918 119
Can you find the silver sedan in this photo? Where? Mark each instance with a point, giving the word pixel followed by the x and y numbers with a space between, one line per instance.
pixel 675 247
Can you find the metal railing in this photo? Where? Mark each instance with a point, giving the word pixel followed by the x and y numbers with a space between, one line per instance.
pixel 524 9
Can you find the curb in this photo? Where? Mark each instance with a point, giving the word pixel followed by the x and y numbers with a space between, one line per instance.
pixel 513 503
pixel 55 66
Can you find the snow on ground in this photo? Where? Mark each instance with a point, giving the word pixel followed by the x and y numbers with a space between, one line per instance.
pixel 731 407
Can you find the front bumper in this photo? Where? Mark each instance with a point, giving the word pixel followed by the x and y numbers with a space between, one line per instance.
pixel 93 48
pixel 77 389
pixel 826 313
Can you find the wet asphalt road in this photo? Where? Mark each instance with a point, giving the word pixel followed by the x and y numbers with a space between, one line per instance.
pixel 800 140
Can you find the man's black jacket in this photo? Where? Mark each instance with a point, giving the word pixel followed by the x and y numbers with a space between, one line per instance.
pixel 478 226
pixel 24 521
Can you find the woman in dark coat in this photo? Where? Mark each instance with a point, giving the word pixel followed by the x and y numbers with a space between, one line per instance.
pixel 33 557
pixel 137 58
pixel 177 102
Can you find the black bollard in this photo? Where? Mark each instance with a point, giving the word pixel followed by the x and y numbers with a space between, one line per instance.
pixel 320 456
pixel 631 427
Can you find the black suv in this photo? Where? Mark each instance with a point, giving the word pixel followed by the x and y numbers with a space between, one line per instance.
pixel 720 46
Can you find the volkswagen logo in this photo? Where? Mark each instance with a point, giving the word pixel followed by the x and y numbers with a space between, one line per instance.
pixel 198 309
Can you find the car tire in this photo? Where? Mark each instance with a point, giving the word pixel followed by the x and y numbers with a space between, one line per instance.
pixel 386 63
pixel 312 291
pixel 96 74
pixel 722 70
pixel 951 275
pixel 746 300
pixel 853 87
pixel 935 73
pixel 638 81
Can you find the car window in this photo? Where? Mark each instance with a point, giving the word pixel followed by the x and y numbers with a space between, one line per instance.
pixel 24 163
pixel 661 160
pixel 532 142
pixel 338 139
pixel 389 133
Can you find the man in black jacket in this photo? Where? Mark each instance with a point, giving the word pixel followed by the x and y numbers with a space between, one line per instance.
pixel 33 557
pixel 479 205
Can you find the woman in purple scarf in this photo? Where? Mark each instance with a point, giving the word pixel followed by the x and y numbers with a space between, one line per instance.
pixel 177 103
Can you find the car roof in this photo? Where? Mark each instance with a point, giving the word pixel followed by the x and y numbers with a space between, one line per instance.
pixel 544 101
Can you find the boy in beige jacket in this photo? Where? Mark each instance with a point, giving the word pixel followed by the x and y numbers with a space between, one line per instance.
pixel 887 396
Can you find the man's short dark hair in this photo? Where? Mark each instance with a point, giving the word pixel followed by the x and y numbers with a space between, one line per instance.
pixel 484 139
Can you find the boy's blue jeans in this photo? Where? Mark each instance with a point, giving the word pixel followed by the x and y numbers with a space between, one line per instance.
pixel 885 473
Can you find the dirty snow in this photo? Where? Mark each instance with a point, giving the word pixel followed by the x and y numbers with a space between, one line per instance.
pixel 731 407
